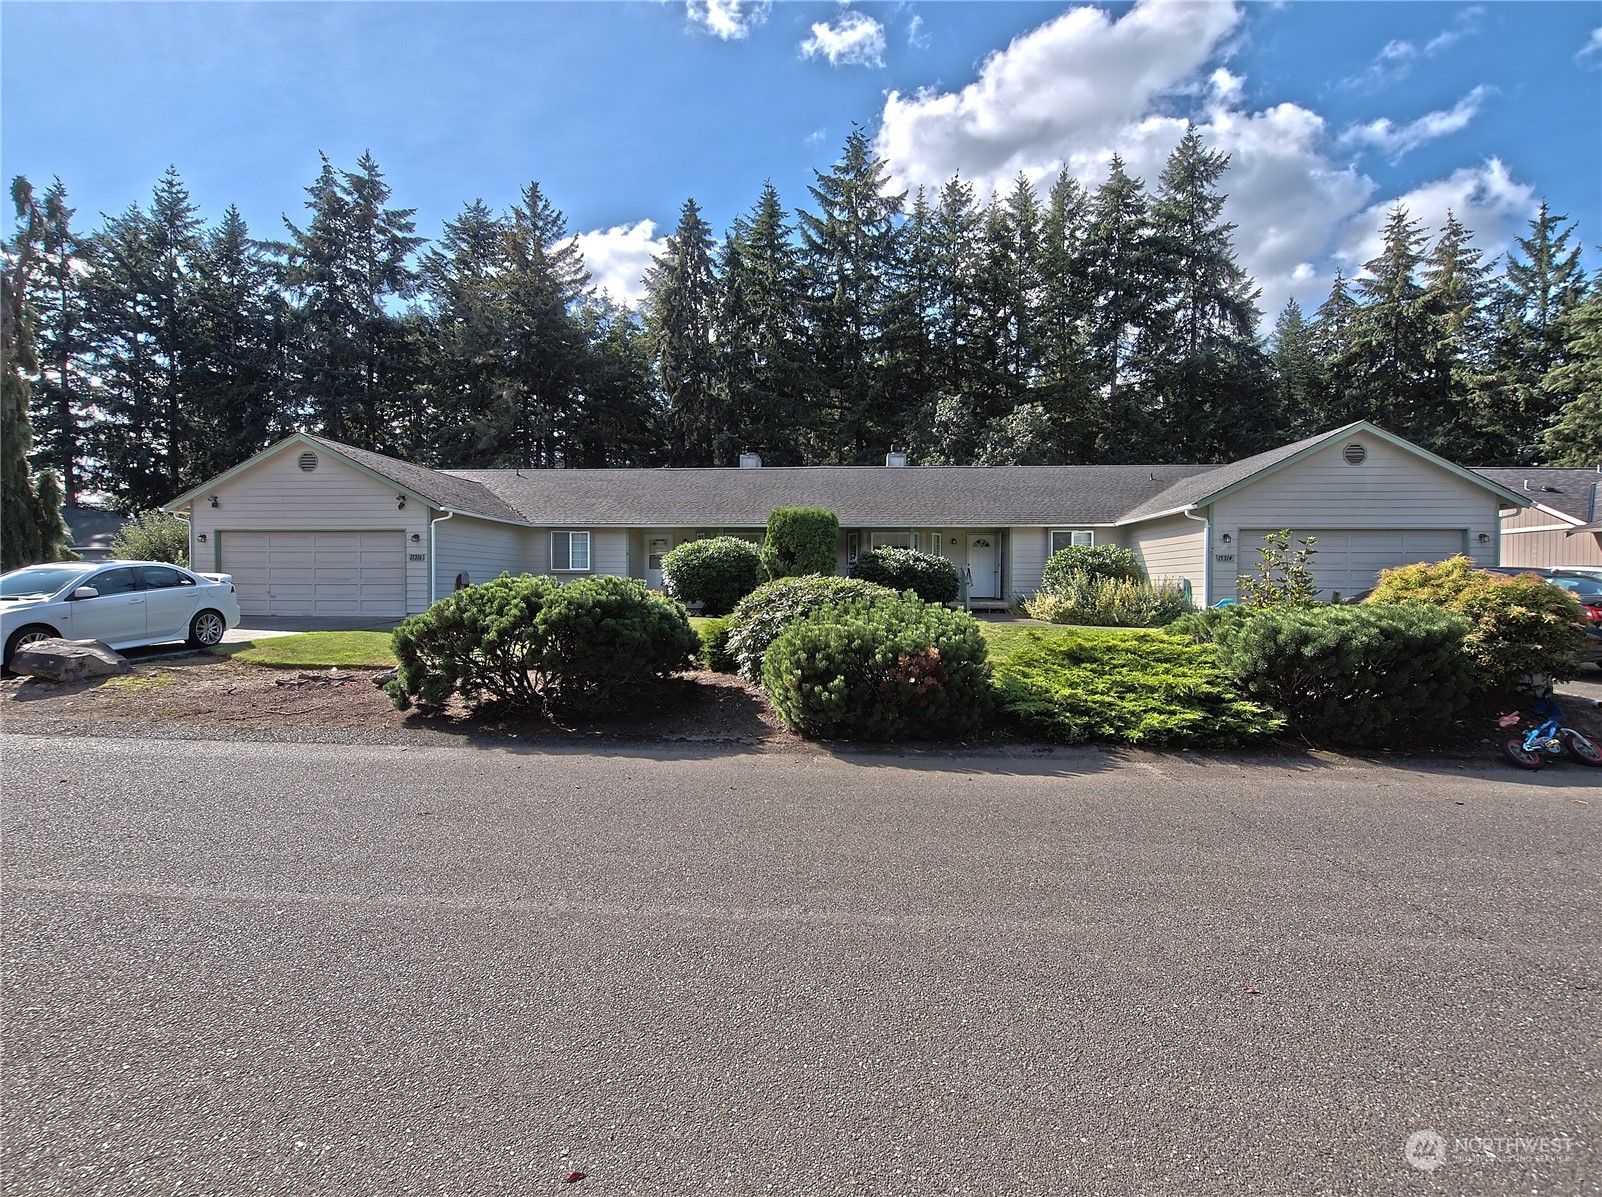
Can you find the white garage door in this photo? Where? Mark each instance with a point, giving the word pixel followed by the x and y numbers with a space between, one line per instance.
pixel 1349 562
pixel 321 574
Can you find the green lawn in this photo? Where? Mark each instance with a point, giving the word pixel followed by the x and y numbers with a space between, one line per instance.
pixel 315 650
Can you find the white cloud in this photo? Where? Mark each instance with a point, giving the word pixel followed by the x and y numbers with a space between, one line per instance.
pixel 1074 83
pixel 1592 47
pixel 917 38
pixel 1395 140
pixel 1486 199
pixel 1084 86
pixel 854 39
pixel 730 20
pixel 1396 59
pixel 619 257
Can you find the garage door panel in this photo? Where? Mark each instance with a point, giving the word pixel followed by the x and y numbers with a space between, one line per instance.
pixel 1349 561
pixel 318 574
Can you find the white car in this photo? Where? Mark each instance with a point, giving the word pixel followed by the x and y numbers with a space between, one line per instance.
pixel 123 604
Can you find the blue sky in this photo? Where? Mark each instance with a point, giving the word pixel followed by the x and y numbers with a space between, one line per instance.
pixel 1331 112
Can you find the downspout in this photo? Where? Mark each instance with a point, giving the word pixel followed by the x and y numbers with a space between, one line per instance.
pixel 433 560
pixel 1206 521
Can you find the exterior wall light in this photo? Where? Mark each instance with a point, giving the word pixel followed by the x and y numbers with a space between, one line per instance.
pixel 201 538
pixel 1485 538
pixel 417 537
pixel 213 500
pixel 1227 538
pixel 400 502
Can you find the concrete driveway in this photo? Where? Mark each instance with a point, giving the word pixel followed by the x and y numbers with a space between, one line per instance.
pixel 242 967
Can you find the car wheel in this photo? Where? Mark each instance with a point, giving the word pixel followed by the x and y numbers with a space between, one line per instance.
pixel 1585 749
pixel 206 629
pixel 1525 758
pixel 23 637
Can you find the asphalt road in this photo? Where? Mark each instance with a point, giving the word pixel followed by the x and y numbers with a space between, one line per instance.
pixel 245 968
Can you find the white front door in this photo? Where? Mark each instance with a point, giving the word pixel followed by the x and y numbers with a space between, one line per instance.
pixel 656 548
pixel 983 581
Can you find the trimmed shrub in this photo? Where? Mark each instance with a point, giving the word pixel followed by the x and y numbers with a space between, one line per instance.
pixel 888 668
pixel 153 536
pixel 715 653
pixel 717 572
pixel 534 644
pixel 1098 561
pixel 1126 688
pixel 768 610
pixel 1520 626
pixel 1093 601
pixel 1364 675
pixel 800 541
pixel 928 575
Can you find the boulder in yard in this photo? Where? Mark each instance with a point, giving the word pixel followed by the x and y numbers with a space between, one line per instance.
pixel 68 660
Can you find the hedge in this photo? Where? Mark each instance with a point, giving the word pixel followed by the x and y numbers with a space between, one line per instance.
pixel 928 575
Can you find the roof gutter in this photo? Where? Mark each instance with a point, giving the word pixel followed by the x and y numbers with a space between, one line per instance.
pixel 1206 521
pixel 433 563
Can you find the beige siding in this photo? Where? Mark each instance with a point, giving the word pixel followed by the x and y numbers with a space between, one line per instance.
pixel 478 548
pixel 1027 550
pixel 609 552
pixel 1549 546
pixel 277 496
pixel 1392 489
pixel 1173 549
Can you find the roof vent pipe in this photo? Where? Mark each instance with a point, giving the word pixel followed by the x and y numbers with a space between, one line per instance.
pixel 750 461
pixel 895 458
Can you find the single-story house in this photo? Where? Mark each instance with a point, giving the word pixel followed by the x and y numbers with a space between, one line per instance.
pixel 1560 525
pixel 311 527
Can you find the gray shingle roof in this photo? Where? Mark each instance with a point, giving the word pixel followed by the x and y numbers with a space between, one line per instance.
pixel 1573 492
pixel 438 486
pixel 1190 491
pixel 862 496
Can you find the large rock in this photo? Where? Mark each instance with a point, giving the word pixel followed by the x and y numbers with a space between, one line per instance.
pixel 68 660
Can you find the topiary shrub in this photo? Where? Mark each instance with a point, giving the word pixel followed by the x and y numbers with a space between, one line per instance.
pixel 533 644
pixel 1367 675
pixel 1097 561
pixel 1092 601
pixel 768 610
pixel 928 575
pixel 604 638
pixel 1125 688
pixel 800 541
pixel 715 653
pixel 888 668
pixel 1520 625
pixel 717 572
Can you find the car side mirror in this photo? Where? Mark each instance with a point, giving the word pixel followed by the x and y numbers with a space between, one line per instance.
pixel 84 592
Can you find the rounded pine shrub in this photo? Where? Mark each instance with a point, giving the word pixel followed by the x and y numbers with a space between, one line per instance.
pixel 800 541
pixel 717 572
pixel 928 575
pixel 888 668
pixel 1366 675
pixel 1096 561
pixel 1519 626
pixel 532 643
pixel 768 610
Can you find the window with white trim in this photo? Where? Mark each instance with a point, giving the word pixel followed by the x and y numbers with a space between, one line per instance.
pixel 1062 538
pixel 570 552
pixel 895 540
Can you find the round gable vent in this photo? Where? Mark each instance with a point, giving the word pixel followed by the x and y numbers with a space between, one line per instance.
pixel 1355 453
pixel 308 462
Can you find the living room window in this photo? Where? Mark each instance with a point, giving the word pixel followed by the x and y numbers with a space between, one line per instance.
pixel 1062 538
pixel 570 552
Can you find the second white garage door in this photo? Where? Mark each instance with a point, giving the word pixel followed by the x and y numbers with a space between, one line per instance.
pixel 319 574
pixel 1349 562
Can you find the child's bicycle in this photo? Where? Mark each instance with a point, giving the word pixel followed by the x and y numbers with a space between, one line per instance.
pixel 1548 739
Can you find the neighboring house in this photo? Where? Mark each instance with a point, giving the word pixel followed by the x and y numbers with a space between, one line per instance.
pixel 313 527
pixel 1560 527
pixel 92 531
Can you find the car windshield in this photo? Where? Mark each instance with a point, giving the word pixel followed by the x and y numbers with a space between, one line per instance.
pixel 41 581
pixel 1583 589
